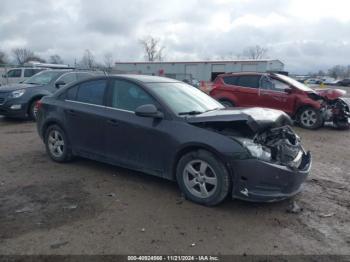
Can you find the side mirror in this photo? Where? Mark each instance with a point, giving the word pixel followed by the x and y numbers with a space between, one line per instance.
pixel 148 110
pixel 288 90
pixel 4 75
pixel 60 83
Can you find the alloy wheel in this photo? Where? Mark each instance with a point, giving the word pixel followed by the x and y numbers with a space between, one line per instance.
pixel 200 178
pixel 56 143
pixel 308 118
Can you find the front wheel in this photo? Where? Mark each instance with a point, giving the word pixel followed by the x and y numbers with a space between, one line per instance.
pixel 203 178
pixel 342 124
pixel 310 118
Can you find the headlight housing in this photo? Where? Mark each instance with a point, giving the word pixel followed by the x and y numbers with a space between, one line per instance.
pixel 257 150
pixel 17 93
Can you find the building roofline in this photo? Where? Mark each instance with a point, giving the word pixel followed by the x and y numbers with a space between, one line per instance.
pixel 201 61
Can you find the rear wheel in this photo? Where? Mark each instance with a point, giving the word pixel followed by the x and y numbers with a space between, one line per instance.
pixel 203 178
pixel 57 145
pixel 310 118
pixel 227 103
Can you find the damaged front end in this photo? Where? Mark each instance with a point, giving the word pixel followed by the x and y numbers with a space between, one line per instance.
pixel 283 145
pixel 334 107
pixel 275 165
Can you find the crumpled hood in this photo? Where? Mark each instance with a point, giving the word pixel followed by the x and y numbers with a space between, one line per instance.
pixel 258 119
pixel 330 93
pixel 13 87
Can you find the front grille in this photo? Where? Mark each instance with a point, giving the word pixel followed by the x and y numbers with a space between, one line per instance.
pixel 3 96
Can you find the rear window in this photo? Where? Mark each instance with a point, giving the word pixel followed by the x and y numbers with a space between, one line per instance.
pixel 92 92
pixel 230 80
pixel 31 72
pixel 251 81
pixel 71 93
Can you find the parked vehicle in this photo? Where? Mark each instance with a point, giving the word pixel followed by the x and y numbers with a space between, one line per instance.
pixel 170 129
pixel 313 81
pixel 17 75
pixel 344 82
pixel 18 100
pixel 309 108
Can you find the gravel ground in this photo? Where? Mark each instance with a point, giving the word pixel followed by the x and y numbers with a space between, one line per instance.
pixel 86 207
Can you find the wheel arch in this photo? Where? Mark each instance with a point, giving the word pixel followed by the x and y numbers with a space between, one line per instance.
pixel 195 147
pixel 34 98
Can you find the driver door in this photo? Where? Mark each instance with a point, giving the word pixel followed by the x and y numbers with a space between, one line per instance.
pixel 276 94
pixel 134 141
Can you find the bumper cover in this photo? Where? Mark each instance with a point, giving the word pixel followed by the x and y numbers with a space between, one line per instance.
pixel 259 181
pixel 5 110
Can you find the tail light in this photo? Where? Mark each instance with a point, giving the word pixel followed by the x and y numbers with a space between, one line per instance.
pixel 38 105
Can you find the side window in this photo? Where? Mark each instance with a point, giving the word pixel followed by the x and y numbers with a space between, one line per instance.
pixel 68 78
pixel 230 80
pixel 71 93
pixel 82 76
pixel 92 92
pixel 14 73
pixel 251 81
pixel 129 96
pixel 273 84
pixel 30 72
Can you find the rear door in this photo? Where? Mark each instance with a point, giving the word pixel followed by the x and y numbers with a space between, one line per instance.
pixel 85 115
pixel 247 90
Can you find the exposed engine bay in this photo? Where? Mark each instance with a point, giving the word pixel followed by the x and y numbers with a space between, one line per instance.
pixel 284 145
pixel 265 133
pixel 333 108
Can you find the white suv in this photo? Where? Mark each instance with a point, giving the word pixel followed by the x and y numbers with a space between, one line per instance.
pixel 17 75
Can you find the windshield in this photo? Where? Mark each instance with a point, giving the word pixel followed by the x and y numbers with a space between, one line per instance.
pixel 295 83
pixel 43 77
pixel 184 99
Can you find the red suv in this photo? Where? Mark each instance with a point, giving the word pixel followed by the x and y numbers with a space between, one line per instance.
pixel 310 108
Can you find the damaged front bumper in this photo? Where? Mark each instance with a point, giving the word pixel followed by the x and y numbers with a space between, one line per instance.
pixel 259 181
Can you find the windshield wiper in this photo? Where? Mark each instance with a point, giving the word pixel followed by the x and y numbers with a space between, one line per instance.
pixel 214 109
pixel 193 112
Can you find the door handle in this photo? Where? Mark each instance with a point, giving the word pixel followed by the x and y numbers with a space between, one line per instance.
pixel 113 122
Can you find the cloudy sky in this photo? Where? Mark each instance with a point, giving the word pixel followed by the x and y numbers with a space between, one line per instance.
pixel 306 35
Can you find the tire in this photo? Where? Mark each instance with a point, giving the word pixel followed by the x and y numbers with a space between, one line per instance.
pixel 310 118
pixel 32 113
pixel 341 125
pixel 227 103
pixel 203 178
pixel 57 144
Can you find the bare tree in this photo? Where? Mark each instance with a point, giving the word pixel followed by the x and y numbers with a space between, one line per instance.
pixel 35 58
pixel 108 61
pixel 153 49
pixel 22 55
pixel 255 52
pixel 3 57
pixel 338 71
pixel 88 60
pixel 56 59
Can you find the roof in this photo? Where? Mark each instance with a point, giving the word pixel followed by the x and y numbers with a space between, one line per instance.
pixel 203 61
pixel 147 78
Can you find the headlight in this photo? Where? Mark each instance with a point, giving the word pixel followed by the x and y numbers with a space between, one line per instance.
pixel 17 93
pixel 257 150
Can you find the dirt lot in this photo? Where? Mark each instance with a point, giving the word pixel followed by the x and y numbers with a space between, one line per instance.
pixel 92 208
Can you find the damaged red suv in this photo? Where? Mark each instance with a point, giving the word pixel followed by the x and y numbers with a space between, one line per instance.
pixel 309 108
